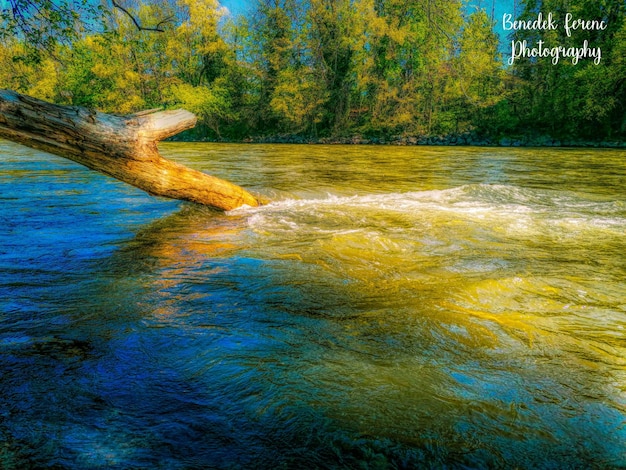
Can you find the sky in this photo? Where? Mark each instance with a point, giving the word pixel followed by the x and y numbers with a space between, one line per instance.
pixel 241 6
pixel 501 6
pixel 236 6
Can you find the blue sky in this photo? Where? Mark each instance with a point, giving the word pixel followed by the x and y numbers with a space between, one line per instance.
pixel 240 6
pixel 501 6
pixel 236 6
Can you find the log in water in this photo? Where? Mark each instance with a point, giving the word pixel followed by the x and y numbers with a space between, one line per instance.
pixel 392 308
pixel 124 147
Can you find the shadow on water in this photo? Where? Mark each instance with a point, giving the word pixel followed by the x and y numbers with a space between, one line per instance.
pixel 164 353
pixel 179 354
pixel 470 327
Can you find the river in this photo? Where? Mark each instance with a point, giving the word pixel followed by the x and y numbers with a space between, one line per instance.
pixel 390 307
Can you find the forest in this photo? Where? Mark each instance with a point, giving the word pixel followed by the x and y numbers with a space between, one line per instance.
pixel 326 68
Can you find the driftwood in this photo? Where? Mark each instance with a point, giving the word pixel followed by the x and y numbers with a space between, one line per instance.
pixel 124 147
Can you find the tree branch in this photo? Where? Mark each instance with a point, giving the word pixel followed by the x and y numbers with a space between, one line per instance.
pixel 139 26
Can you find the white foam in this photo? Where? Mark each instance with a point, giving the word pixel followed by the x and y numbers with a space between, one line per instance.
pixel 504 209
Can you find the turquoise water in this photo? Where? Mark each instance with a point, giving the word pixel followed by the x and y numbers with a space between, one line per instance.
pixel 389 308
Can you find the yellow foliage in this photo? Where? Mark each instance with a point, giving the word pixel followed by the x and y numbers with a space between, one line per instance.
pixel 45 88
pixel 124 104
pixel 398 35
pixel 101 70
pixel 295 98
pixel 208 103
pixel 132 76
pixel 38 80
pixel 200 27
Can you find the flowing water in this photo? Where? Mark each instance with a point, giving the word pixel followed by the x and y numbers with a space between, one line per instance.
pixel 389 308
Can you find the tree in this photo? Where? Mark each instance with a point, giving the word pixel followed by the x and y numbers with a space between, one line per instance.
pixel 476 86
pixel 320 67
pixel 17 73
pixel 334 35
pixel 583 100
pixel 42 24
pixel 404 76
pixel 111 70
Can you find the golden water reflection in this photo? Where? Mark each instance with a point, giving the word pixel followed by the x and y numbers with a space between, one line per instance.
pixel 389 308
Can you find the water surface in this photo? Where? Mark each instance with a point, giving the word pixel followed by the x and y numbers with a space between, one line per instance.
pixel 389 308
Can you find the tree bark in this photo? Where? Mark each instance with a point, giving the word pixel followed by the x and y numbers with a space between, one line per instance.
pixel 124 147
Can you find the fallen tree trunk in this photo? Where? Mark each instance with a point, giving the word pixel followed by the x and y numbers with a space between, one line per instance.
pixel 124 147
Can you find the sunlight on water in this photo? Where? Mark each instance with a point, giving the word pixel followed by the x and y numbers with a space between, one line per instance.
pixel 389 308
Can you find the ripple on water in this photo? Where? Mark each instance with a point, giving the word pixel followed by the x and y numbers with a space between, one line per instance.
pixel 396 309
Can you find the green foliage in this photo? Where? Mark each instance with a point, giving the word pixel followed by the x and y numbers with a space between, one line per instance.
pixel 212 104
pixel 43 24
pixel 584 100
pixel 319 67
pixel 296 100
pixel 333 33
pixel 38 79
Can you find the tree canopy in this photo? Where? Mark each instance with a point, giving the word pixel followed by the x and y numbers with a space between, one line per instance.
pixel 322 67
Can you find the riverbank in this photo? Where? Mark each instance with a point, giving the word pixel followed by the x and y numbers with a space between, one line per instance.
pixel 466 139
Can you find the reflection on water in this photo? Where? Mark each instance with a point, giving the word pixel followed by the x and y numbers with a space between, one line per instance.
pixel 390 308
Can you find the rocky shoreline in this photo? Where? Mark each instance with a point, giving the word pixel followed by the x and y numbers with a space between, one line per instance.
pixel 451 140
pixel 466 139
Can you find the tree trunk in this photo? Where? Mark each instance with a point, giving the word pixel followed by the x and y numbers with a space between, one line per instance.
pixel 124 147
